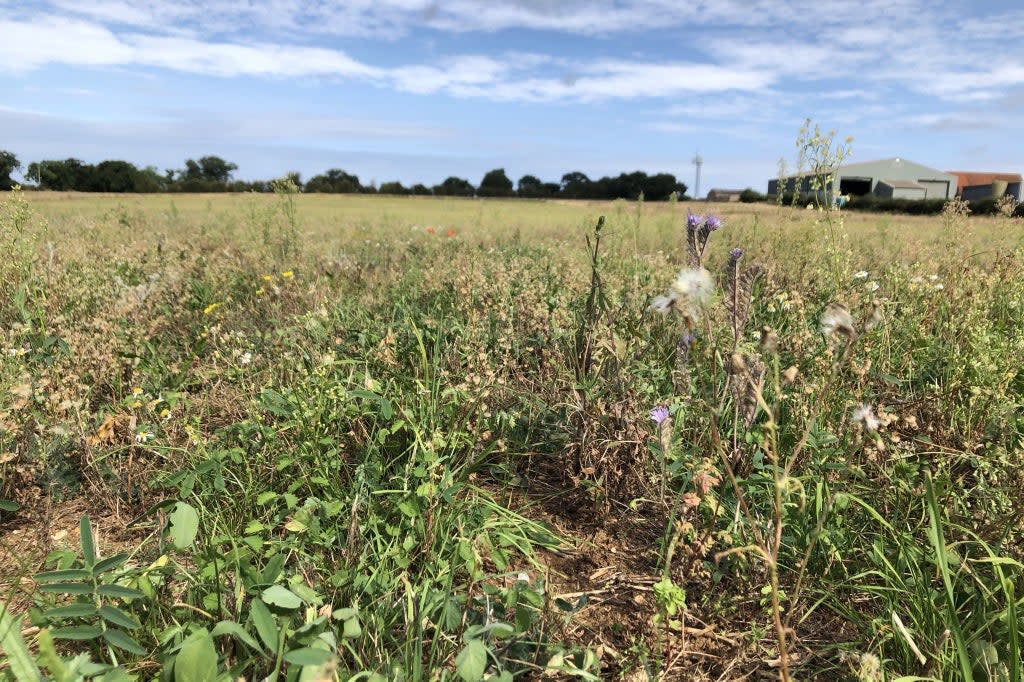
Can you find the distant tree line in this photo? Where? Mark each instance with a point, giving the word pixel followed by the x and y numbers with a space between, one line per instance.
pixel 214 174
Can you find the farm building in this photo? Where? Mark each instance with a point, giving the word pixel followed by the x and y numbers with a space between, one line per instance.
pixel 724 195
pixel 888 178
pixel 973 185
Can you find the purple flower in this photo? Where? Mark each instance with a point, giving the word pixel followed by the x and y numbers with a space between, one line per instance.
pixel 688 339
pixel 659 414
pixel 694 220
pixel 712 223
pixel 735 254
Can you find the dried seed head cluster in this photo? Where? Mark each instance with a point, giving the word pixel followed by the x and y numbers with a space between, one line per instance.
pixel 837 320
pixel 688 294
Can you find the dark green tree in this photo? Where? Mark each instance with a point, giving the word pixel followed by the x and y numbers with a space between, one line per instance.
pixel 495 184
pixel 61 176
pixel 420 189
pixel 530 187
pixel 334 181
pixel 114 176
pixel 393 188
pixel 216 169
pixel 8 164
pixel 455 187
pixel 576 185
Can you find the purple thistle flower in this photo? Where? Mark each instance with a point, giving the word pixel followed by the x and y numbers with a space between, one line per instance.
pixel 735 254
pixel 712 223
pixel 694 220
pixel 659 414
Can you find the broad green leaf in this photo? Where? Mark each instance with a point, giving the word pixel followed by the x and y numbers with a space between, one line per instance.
pixel 88 549
pixel 230 627
pixel 114 615
pixel 18 657
pixel 184 525
pixel 472 661
pixel 78 632
pixel 72 611
pixel 110 563
pixel 351 628
pixel 307 656
pixel 281 597
pixel 9 505
pixel 66 588
pixel 122 641
pixel 265 624
pixel 119 592
pixel 263 498
pixel 67 574
pixel 197 659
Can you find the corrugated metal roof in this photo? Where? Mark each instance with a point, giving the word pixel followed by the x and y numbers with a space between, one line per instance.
pixel 973 178
pixel 903 184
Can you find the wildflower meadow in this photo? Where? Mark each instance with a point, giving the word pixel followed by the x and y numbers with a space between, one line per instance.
pixel 296 437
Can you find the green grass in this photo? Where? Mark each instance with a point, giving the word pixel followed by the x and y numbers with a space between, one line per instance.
pixel 322 437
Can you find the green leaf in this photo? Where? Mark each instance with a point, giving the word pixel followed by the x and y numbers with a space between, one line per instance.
pixel 78 632
pixel 72 611
pixel 265 497
pixel 9 505
pixel 230 627
pixel 110 563
pixel 197 659
pixel 472 661
pixel 68 574
pixel 307 656
pixel 88 549
pixel 122 641
pixel 265 624
pixel 281 597
pixel 119 592
pixel 184 525
pixel 18 657
pixel 351 628
pixel 114 615
pixel 66 588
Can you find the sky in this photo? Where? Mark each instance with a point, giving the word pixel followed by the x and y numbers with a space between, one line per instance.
pixel 417 90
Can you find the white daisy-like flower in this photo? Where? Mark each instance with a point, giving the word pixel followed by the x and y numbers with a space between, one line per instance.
pixel 871 286
pixel 835 319
pixel 863 274
pixel 865 416
pixel 245 358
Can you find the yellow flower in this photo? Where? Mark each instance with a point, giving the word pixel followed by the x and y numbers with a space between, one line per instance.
pixel 268 278
pixel 261 291
pixel 287 274
pixel 137 390
pixel 210 308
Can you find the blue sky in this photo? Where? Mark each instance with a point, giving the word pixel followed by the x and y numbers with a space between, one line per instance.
pixel 416 90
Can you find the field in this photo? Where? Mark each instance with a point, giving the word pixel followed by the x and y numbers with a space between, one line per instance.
pixel 364 438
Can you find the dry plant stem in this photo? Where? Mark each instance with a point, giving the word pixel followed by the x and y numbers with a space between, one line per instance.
pixel 768 550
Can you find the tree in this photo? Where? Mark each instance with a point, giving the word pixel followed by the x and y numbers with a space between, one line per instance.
pixel 114 176
pixel 529 186
pixel 334 181
pixel 420 189
pixel 454 187
pixel 576 185
pixel 393 188
pixel 495 184
pixel 8 164
pixel 216 169
pixel 61 176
